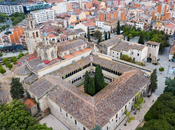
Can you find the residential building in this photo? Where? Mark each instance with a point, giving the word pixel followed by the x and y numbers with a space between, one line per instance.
pixel 63 7
pixel 84 26
pixel 110 25
pixel 11 7
pixel 136 51
pixel 32 105
pixel 45 15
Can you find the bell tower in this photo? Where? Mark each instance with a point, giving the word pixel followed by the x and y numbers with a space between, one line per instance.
pixel 32 34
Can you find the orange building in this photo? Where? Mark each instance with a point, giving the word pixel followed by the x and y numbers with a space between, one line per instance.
pixel 14 37
pixel 137 5
pixel 87 5
pixel 162 8
pixel 102 17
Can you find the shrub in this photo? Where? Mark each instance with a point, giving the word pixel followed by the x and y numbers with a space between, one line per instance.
pixel 161 69
pixel 12 58
pixel 5 60
pixel 140 63
pixel 20 55
pixel 9 66
pixel 2 70
pixel 7 63
pixel 1 54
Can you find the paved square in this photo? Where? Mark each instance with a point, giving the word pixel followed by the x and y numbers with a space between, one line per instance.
pixel 51 121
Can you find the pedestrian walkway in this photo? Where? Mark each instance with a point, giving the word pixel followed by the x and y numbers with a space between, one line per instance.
pixel 139 116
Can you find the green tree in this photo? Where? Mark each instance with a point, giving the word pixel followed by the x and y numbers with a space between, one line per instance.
pixel 169 85
pixel 99 40
pixel 139 102
pixel 118 28
pixel 141 39
pixel 129 118
pixel 4 60
pixel 86 82
pixel 7 63
pixel 9 66
pixel 2 70
pixel 153 82
pixel 97 34
pixel 161 69
pixel 99 78
pixel 14 115
pixel 91 87
pixel 20 55
pixel 1 54
pixel 16 89
pixel 88 34
pixel 106 37
pixel 128 38
pixel 126 58
pixel 97 127
pixel 109 35
pixel 13 58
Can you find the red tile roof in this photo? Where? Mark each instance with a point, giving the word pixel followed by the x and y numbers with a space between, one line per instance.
pixel 30 103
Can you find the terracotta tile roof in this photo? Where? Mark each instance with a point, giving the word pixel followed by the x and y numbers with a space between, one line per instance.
pixel 68 56
pixel 100 108
pixel 111 42
pixel 126 46
pixel 51 35
pixel 30 103
pixel 153 43
pixel 170 26
pixel 67 45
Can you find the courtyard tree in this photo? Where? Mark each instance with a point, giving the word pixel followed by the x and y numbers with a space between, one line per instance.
pixel 139 102
pixel 99 78
pixel 2 70
pixel 16 89
pixel 153 82
pixel 88 33
pixel 14 115
pixel 97 34
pixel 86 82
pixel 91 87
pixel 141 39
pixel 129 118
pixel 118 28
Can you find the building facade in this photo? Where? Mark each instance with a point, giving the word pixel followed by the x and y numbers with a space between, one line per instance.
pixel 10 9
pixel 41 16
pixel 32 34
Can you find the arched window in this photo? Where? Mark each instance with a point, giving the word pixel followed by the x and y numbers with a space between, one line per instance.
pixel 31 24
pixel 36 34
pixel 33 35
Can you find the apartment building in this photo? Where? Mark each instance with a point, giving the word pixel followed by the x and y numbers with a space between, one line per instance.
pixel 63 7
pixel 43 15
pixel 10 8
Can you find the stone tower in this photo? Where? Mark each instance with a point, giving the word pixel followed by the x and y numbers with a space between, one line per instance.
pixel 32 34
pixel 47 50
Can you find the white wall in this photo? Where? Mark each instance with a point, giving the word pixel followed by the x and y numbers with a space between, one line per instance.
pixel 61 7
pixel 61 64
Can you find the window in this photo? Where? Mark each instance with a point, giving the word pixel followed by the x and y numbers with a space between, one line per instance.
pixel 84 128
pixel 116 116
pixel 36 34
pixel 132 53
pixel 137 54
pixel 125 106
pixel 75 122
pixel 60 110
pixel 117 53
pixel 66 115
pixel 107 128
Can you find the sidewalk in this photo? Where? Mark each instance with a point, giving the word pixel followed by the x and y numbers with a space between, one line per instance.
pixel 139 116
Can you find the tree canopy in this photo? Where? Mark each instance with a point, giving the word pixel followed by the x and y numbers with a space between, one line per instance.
pixel 118 28
pixel 3 17
pixel 153 82
pixel 126 58
pixel 14 116
pixel 161 116
pixel 141 39
pixel 17 17
pixel 169 85
pixel 97 34
pixel 16 89
pixel 99 78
